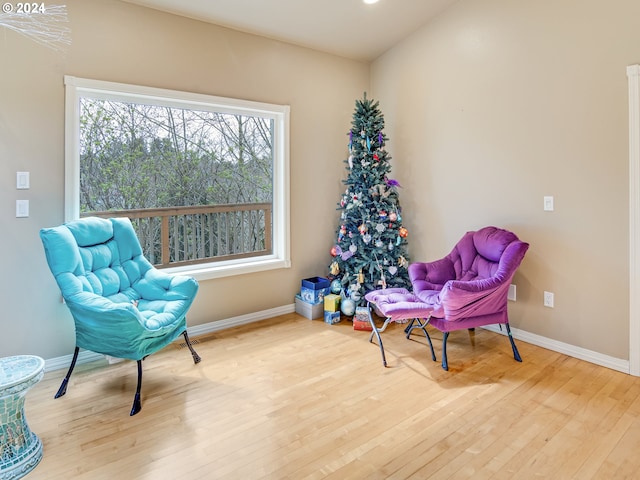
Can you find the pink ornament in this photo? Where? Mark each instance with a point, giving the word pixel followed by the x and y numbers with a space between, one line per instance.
pixel 393 216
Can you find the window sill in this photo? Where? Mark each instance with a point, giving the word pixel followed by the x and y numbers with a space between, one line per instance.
pixel 209 271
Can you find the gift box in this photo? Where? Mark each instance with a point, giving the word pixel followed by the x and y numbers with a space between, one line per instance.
pixel 309 310
pixel 331 317
pixel 332 303
pixel 361 319
pixel 314 289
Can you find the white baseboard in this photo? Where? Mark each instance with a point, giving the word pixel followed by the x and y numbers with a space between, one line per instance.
pixel 86 356
pixel 544 342
pixel 565 348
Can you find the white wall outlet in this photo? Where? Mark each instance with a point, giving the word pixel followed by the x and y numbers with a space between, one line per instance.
pixel 548 204
pixel 511 295
pixel 548 299
pixel 22 208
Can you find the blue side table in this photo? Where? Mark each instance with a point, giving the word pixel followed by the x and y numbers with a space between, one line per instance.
pixel 20 448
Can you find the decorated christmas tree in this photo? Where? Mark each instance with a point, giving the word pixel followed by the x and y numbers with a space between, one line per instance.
pixel 371 245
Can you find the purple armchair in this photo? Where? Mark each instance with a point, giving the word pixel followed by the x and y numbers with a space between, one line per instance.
pixel 466 289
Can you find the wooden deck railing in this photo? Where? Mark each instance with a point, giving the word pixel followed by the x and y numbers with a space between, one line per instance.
pixel 207 233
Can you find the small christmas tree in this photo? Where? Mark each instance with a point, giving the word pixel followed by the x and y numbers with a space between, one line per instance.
pixel 370 251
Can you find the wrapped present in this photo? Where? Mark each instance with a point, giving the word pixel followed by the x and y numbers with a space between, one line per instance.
pixel 314 289
pixel 308 310
pixel 361 319
pixel 332 303
pixel 331 317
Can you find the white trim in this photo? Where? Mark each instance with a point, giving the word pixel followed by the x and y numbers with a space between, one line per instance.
pixel 565 348
pixel 86 356
pixel 633 74
pixel 75 88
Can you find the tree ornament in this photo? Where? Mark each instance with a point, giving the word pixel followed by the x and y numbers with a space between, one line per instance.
pixel 366 238
pixel 334 251
pixel 403 232
pixel 393 269
pixel 348 307
pixel 336 286
pixel 393 216
pixel 350 162
pixel 382 215
pixel 334 269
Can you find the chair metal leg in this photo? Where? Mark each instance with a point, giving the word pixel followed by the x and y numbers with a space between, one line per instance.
pixel 63 387
pixel 409 327
pixel 445 363
pixel 422 326
pixel 516 354
pixel 376 331
pixel 196 357
pixel 137 405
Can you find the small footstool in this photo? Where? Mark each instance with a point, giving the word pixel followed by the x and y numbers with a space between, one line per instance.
pixel 400 306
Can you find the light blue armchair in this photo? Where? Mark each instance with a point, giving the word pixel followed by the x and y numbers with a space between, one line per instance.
pixel 121 305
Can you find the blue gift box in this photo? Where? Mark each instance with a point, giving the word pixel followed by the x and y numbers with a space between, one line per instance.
pixel 314 289
pixel 331 317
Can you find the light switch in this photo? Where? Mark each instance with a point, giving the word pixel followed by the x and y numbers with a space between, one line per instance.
pixel 22 208
pixel 22 180
pixel 548 204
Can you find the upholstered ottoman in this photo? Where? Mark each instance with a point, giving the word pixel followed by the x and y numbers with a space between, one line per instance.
pixel 400 306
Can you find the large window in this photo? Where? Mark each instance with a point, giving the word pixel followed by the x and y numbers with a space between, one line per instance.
pixel 203 179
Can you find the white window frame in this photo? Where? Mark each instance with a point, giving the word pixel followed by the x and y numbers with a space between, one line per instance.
pixel 77 88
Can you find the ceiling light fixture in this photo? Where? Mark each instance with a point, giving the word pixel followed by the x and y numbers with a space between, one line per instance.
pixel 369 2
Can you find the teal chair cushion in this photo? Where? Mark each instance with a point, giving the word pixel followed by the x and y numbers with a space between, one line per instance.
pixel 121 304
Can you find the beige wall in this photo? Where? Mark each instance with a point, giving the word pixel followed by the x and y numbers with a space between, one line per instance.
pixel 121 42
pixel 498 103
pixel 490 107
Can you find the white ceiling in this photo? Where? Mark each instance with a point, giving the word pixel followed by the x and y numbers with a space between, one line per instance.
pixel 348 28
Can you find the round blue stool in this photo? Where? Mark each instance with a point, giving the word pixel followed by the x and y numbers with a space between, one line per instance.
pixel 20 448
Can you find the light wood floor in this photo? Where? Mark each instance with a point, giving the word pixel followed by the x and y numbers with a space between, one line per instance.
pixel 291 398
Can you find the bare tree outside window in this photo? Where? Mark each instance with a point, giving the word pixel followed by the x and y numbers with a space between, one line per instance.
pixel 198 184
